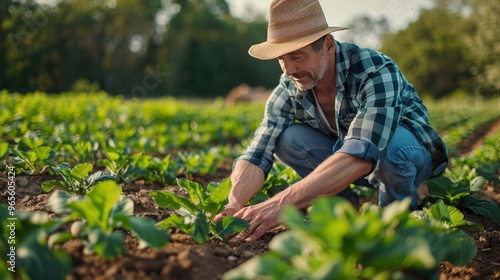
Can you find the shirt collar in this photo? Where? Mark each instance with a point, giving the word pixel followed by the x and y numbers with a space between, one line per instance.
pixel 343 64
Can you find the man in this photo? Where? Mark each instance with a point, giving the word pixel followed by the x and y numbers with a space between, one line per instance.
pixel 340 114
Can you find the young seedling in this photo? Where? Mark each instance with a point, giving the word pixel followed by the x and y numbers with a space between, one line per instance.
pixel 195 214
pixel 199 162
pixel 124 167
pixel 162 171
pixel 81 151
pixel 337 242
pixel 76 180
pixel 461 188
pixel 450 216
pixel 35 161
pixel 98 216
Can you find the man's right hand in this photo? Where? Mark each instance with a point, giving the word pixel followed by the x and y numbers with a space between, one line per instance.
pixel 246 179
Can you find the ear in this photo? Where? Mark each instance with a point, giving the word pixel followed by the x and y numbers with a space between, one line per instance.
pixel 330 44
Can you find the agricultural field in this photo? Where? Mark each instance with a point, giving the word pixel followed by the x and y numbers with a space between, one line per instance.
pixel 101 187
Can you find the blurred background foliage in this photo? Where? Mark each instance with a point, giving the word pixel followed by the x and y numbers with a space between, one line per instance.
pixel 196 48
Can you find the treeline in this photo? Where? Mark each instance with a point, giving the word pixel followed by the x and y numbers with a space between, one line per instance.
pixel 197 48
pixel 135 48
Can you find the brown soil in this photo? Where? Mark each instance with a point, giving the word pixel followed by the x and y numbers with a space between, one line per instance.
pixel 183 258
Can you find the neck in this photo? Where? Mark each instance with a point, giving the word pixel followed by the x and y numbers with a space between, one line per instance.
pixel 328 84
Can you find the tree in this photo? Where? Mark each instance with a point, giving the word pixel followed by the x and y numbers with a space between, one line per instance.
pixel 206 51
pixel 134 48
pixel 368 31
pixel 432 51
pixel 50 46
pixel 484 45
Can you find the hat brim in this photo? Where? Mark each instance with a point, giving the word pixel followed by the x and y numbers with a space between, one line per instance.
pixel 266 50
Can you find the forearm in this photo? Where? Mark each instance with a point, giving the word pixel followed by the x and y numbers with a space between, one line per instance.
pixel 247 179
pixel 329 178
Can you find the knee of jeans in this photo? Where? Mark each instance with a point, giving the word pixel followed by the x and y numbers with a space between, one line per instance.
pixel 408 160
pixel 290 143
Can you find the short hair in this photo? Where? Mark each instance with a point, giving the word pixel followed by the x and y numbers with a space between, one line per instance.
pixel 318 44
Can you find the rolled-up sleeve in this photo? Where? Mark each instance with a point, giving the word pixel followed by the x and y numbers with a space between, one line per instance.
pixel 379 108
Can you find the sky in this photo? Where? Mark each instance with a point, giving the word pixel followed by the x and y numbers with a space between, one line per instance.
pixel 340 12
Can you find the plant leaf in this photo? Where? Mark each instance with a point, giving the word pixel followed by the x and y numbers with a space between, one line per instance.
pixel 201 230
pixel 49 185
pixel 483 207
pixel 289 244
pixel 99 176
pixel 477 183
pixel 175 221
pixel 43 153
pixel 461 247
pixel 59 200
pixel 261 267
pixel 96 208
pixel 443 188
pixel 230 225
pixel 81 171
pixel 170 200
pixel 196 192
pixel 406 251
pixel 59 237
pixel 439 211
pixel 106 245
pixel 146 230
pixel 42 263
pixel 4 148
pixel 217 197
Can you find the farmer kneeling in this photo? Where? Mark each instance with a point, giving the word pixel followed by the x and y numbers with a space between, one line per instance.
pixel 340 114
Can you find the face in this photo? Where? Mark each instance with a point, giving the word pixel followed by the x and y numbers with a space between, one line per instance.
pixel 305 66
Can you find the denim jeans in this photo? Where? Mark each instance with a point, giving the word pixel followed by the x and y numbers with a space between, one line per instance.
pixel 401 167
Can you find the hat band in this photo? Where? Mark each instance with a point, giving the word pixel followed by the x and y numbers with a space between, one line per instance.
pixel 284 39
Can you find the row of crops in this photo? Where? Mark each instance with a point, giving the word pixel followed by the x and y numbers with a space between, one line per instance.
pixel 90 145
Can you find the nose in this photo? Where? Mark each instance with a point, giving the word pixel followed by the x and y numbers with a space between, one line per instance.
pixel 287 66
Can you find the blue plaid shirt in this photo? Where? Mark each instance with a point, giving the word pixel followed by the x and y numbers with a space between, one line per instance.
pixel 373 98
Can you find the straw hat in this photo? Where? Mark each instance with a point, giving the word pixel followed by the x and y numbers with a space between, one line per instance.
pixel 293 24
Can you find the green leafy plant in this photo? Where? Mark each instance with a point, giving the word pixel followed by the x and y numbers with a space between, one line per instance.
pixel 24 253
pixel 98 217
pixel 485 160
pixel 337 242
pixel 195 214
pixel 31 141
pixel 199 162
pixel 450 216
pixel 35 161
pixel 162 171
pixel 81 151
pixel 462 189
pixel 77 180
pixel 124 167
pixel 4 148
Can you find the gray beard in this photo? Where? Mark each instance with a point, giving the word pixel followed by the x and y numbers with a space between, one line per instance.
pixel 314 80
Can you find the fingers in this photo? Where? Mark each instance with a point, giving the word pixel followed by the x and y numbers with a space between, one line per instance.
pixel 219 217
pixel 229 211
pixel 251 234
pixel 258 225
pixel 256 233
